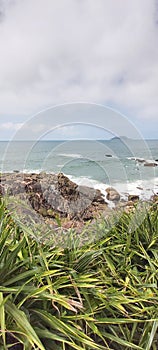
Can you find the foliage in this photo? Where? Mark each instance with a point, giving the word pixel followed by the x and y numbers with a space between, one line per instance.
pixel 102 295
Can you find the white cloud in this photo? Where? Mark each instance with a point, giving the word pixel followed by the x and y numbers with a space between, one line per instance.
pixel 102 51
pixel 10 126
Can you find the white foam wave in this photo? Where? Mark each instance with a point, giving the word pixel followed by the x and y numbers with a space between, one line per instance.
pixel 144 188
pixel 70 155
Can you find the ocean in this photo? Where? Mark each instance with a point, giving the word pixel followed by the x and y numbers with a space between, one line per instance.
pixel 102 163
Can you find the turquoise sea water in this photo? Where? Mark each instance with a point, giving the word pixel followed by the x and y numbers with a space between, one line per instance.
pixel 95 163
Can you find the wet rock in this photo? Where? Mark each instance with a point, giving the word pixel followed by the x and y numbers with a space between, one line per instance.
pixel 139 160
pixel 151 164
pixel 112 194
pixel 133 197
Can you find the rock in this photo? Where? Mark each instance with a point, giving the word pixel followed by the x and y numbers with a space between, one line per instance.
pixel 36 187
pixel 129 207
pixel 50 196
pixel 154 198
pixel 43 211
pixel 140 160
pixel 151 164
pixel 98 197
pixel 133 197
pixel 112 194
pixel 126 206
pixel 108 155
pixel 66 187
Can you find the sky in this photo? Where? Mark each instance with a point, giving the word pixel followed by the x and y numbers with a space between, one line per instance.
pixel 90 52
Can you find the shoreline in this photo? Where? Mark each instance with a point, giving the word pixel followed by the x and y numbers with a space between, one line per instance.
pixel 145 187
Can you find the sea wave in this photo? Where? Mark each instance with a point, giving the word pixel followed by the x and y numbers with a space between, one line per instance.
pixel 144 188
pixel 70 155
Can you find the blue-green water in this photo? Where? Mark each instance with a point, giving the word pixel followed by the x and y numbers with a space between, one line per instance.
pixel 97 163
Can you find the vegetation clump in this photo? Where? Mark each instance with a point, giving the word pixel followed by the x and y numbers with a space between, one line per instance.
pixel 98 295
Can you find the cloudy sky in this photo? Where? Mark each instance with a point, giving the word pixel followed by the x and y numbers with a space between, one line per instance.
pixel 54 52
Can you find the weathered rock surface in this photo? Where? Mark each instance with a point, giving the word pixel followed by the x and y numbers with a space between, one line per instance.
pixel 126 206
pixel 51 195
pixel 112 194
pixel 54 199
pixel 133 197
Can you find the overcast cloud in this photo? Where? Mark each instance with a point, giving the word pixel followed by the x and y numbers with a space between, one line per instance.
pixel 99 51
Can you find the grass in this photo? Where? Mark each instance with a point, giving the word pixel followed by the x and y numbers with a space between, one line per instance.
pixel 100 295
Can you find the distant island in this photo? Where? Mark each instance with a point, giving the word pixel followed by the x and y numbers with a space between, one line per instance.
pixel 120 138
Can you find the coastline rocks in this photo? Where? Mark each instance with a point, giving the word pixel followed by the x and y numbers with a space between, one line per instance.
pixel 151 164
pixel 126 206
pixel 51 195
pixel 55 199
pixel 112 194
pixel 133 198
pixel 66 187
pixel 146 163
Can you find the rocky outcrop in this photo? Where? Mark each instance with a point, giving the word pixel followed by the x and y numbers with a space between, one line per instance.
pixel 51 195
pixel 56 200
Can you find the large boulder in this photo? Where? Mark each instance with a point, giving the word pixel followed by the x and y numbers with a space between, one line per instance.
pixel 112 194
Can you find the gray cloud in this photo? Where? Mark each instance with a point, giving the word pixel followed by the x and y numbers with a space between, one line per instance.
pixel 56 51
